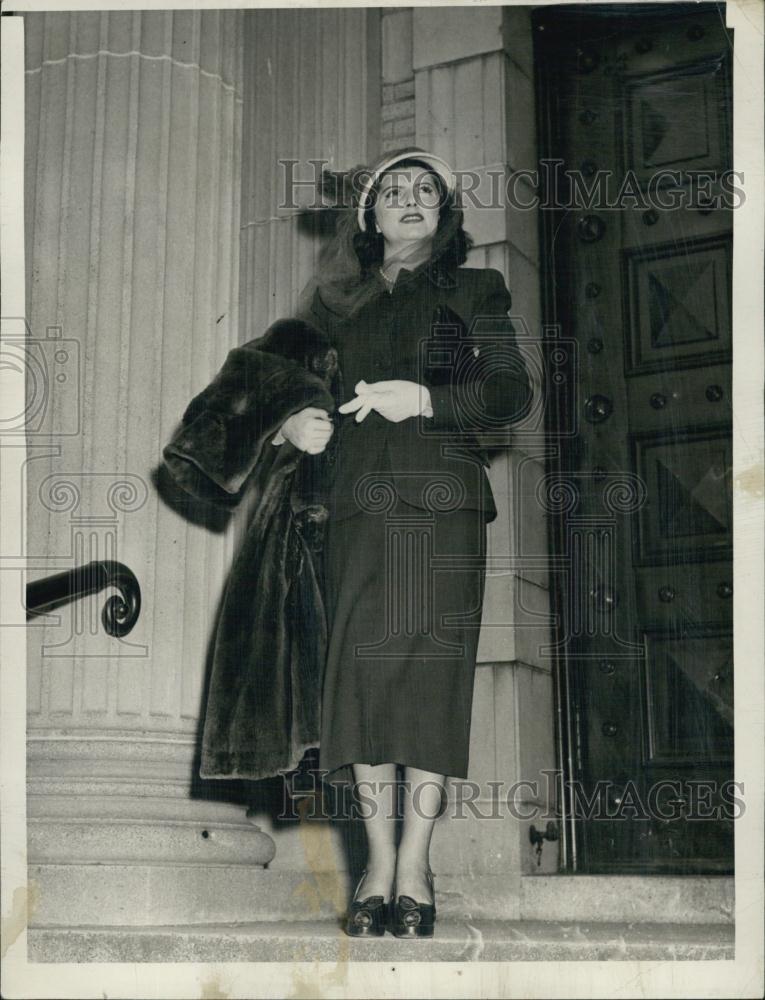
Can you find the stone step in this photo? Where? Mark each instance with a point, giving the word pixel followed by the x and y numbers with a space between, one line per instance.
pixel 324 940
pixel 680 899
pixel 173 894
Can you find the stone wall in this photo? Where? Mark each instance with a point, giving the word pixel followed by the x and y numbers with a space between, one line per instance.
pixel 398 107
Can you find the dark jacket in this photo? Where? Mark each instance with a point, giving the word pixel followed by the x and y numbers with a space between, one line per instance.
pixel 446 328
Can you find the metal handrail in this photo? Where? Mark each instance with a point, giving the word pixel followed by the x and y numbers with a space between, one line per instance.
pixel 120 612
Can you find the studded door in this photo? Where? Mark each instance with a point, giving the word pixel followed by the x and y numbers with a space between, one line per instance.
pixel 638 219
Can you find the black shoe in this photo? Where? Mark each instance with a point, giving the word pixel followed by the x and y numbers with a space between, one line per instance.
pixel 366 917
pixel 412 919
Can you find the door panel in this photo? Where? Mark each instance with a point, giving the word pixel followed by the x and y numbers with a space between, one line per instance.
pixel 672 118
pixel 640 276
pixel 677 307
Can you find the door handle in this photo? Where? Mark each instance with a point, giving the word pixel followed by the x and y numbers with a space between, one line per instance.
pixel 538 838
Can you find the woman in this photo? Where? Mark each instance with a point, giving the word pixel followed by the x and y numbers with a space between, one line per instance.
pixel 406 543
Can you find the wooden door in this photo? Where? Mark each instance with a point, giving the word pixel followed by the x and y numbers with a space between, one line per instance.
pixel 636 106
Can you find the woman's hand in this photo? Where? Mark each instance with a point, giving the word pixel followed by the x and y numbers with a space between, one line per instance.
pixel 395 399
pixel 309 430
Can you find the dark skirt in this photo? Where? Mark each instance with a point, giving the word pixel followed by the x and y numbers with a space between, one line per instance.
pixel 404 590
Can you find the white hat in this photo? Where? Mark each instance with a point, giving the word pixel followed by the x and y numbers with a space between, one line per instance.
pixel 388 160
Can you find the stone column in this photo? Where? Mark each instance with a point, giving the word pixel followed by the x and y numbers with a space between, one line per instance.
pixel 312 93
pixel 133 161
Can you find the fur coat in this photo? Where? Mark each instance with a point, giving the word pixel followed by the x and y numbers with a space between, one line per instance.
pixel 262 708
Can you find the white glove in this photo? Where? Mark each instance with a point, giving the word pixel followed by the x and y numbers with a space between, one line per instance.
pixel 395 400
pixel 309 430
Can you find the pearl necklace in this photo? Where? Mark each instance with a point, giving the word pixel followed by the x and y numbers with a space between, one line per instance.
pixel 389 282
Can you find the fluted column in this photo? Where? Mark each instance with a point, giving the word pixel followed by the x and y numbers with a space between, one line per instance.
pixel 133 164
pixel 312 92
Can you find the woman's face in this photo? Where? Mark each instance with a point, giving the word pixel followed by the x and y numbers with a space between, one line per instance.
pixel 407 205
